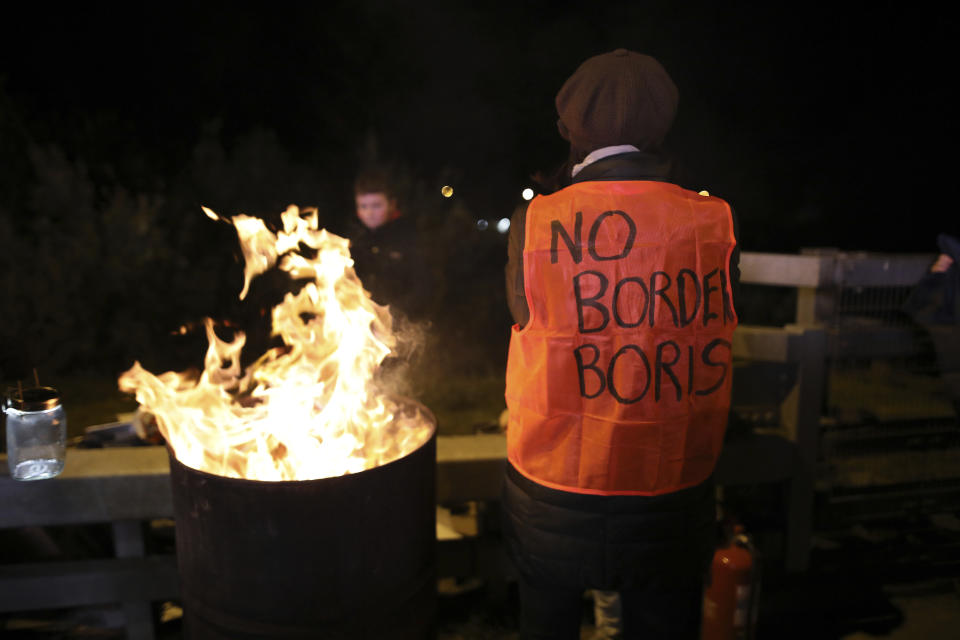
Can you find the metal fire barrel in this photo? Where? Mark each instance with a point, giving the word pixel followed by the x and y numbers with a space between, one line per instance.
pixel 345 557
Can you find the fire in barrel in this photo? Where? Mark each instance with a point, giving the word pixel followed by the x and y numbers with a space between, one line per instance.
pixel 303 494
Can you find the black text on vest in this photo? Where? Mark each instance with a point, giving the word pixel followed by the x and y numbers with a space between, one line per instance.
pixel 670 370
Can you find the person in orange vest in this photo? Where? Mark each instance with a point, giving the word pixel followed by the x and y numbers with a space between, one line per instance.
pixel 621 285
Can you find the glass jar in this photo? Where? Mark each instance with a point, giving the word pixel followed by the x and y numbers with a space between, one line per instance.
pixel 36 433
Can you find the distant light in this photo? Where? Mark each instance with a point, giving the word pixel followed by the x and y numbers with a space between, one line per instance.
pixel 704 193
pixel 503 225
pixel 482 224
pixel 447 191
pixel 527 194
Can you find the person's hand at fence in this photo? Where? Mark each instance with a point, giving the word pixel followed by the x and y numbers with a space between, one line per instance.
pixel 942 264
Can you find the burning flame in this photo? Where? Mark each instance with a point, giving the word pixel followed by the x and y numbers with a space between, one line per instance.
pixel 308 409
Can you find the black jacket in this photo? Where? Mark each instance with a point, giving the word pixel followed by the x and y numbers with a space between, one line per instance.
pixel 389 261
pixel 605 542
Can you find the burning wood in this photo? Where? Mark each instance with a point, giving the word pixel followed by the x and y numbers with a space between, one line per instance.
pixel 303 411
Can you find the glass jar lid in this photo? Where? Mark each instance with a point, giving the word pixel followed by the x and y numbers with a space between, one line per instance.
pixel 33 399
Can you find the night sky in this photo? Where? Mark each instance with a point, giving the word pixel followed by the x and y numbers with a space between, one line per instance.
pixel 823 127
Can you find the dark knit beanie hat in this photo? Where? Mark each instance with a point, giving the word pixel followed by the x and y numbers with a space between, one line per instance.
pixel 621 97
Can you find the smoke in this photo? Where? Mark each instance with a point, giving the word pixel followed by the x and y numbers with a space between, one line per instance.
pixel 398 373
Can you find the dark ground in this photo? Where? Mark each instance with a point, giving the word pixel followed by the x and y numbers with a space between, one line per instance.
pixel 863 582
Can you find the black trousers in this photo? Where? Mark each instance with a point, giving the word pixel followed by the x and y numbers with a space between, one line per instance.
pixel 655 551
pixel 554 613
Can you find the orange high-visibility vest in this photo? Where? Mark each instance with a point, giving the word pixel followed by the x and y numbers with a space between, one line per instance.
pixel 620 381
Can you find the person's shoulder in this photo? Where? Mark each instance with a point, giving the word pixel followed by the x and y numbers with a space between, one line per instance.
pixel 350 229
pixel 403 225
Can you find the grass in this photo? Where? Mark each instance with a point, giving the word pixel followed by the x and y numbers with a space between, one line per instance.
pixel 88 399
pixel 885 392
pixel 464 404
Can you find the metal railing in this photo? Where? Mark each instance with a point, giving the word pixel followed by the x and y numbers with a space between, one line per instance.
pixel 888 438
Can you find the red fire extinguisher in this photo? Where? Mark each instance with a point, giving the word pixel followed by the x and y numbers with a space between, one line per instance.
pixel 730 602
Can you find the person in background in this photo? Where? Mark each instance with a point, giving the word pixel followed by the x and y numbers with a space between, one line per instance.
pixel 385 247
pixel 934 303
pixel 618 377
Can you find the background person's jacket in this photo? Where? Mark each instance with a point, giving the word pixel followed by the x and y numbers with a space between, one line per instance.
pixel 389 260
